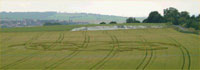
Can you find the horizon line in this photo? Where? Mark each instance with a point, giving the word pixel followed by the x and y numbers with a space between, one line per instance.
pixel 65 12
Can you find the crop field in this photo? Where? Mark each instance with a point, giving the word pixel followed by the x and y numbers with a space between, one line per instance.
pixel 134 49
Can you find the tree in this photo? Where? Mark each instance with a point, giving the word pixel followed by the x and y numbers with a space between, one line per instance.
pixel 175 21
pixel 184 18
pixel 103 23
pixel 185 14
pixel 193 17
pixel 198 18
pixel 132 20
pixel 193 24
pixel 135 21
pixel 182 21
pixel 129 20
pixel 171 15
pixel 154 17
pixel 113 22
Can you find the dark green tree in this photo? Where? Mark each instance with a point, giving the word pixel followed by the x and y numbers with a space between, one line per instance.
pixel 102 23
pixel 154 17
pixel 193 17
pixel 185 14
pixel 113 22
pixel 132 20
pixel 184 18
pixel 135 21
pixel 198 18
pixel 171 15
pixel 129 20
pixel 193 24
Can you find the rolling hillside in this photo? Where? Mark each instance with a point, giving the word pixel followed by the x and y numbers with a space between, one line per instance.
pixel 76 17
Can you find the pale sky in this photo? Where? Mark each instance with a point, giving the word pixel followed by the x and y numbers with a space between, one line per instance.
pixel 127 8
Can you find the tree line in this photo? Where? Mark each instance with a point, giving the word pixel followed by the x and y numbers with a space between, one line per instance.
pixel 112 22
pixel 170 15
pixel 51 24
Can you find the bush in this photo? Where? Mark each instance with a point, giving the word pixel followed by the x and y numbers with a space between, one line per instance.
pixel 102 23
pixel 193 24
pixel 154 17
pixel 113 22
pixel 132 20
pixel 50 24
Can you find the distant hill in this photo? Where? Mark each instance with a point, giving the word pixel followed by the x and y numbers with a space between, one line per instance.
pixel 75 17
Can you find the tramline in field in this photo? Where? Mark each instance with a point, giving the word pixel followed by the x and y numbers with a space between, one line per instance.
pixel 151 48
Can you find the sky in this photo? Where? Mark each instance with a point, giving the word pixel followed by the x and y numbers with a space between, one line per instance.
pixel 126 8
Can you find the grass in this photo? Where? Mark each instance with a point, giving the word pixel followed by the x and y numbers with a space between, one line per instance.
pixel 153 49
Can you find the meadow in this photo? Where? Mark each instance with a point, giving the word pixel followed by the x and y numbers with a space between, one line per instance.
pixel 56 47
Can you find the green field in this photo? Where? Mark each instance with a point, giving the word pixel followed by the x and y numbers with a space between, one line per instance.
pixel 67 27
pixel 55 47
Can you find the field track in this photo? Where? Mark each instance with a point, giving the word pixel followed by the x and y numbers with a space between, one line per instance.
pixel 150 58
pixel 27 45
pixel 111 53
pixel 185 54
pixel 146 60
pixel 141 49
pixel 29 42
pixel 71 55
pixel 59 40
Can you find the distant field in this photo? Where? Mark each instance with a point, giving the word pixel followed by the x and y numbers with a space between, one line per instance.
pixel 66 27
pixel 78 17
pixel 56 47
